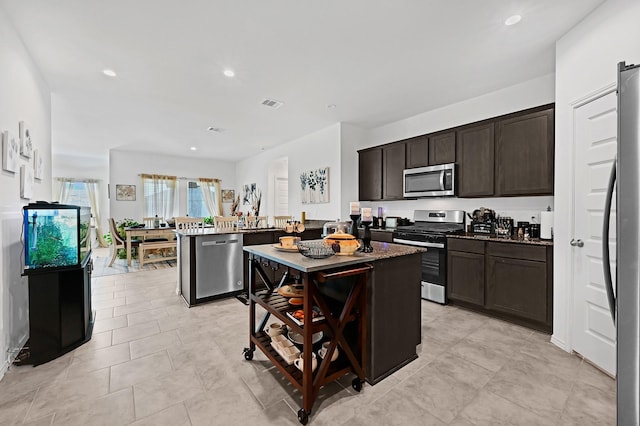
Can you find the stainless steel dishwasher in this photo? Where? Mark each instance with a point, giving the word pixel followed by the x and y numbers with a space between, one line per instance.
pixel 210 266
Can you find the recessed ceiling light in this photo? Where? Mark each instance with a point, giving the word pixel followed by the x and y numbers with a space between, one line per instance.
pixel 215 129
pixel 229 73
pixel 513 19
pixel 109 72
pixel 330 106
pixel 193 148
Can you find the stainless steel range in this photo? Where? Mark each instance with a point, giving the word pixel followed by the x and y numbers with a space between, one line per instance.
pixel 430 231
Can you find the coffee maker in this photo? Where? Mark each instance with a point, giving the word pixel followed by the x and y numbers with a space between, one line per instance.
pixel 483 221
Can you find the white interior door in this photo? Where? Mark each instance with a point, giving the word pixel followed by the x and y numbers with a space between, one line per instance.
pixel 594 334
pixel 281 194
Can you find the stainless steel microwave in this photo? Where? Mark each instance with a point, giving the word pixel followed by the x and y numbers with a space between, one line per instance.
pixel 432 181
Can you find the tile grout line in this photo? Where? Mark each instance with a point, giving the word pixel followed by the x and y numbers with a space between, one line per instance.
pixel 26 416
pixel 573 385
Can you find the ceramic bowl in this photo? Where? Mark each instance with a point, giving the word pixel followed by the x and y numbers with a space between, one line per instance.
pixel 342 243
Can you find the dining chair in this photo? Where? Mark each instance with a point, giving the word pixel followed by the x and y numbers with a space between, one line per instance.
pixel 117 242
pixel 187 223
pixel 281 221
pixel 150 222
pixel 256 221
pixel 225 222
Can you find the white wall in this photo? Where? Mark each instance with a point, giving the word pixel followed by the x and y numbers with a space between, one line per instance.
pixel 525 95
pixel 351 137
pixel 25 96
pixel 313 151
pixel 125 168
pixel 586 59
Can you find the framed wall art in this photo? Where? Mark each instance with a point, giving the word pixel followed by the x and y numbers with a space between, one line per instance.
pixel 38 165
pixel 314 186
pixel 228 195
pixel 26 181
pixel 125 192
pixel 249 193
pixel 10 152
pixel 26 144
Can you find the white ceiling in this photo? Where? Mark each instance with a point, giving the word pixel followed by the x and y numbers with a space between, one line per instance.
pixel 377 61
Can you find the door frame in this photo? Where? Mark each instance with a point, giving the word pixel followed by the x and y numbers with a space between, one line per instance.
pixel 563 250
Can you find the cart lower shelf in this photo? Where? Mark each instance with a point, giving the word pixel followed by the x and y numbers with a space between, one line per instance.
pixel 337 369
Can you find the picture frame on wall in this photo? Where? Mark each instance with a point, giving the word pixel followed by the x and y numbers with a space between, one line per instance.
pixel 26 181
pixel 26 144
pixel 314 186
pixel 125 192
pixel 38 164
pixel 228 195
pixel 10 152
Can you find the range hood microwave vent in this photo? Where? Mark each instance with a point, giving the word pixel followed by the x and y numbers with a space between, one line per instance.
pixel 272 103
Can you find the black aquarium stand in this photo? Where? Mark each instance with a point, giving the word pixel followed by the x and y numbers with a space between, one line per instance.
pixel 60 315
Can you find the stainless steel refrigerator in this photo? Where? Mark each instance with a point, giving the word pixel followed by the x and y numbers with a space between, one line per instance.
pixel 623 295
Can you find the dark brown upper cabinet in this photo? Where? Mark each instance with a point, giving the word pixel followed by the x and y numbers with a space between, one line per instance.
pixel 510 155
pixel 417 152
pixel 475 152
pixel 370 174
pixel 442 148
pixel 524 154
pixel 393 164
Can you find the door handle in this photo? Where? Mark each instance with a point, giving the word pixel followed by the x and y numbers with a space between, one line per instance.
pixel 606 258
pixel 577 243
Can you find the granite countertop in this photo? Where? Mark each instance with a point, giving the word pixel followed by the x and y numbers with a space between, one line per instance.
pixel 512 240
pixel 297 261
pixel 213 231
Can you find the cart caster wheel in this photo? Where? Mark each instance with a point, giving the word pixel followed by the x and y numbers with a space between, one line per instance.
pixel 248 354
pixel 303 416
pixel 356 384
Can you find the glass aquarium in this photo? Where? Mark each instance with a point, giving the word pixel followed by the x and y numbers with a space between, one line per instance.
pixel 56 236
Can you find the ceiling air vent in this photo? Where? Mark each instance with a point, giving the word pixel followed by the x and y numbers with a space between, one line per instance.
pixel 272 103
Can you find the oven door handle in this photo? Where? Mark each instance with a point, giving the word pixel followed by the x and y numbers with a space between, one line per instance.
pixel 418 243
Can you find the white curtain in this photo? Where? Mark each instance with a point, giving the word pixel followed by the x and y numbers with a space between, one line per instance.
pixel 212 195
pixel 61 189
pixel 94 196
pixel 159 195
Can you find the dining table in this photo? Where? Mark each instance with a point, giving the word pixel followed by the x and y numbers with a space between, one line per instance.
pixel 146 232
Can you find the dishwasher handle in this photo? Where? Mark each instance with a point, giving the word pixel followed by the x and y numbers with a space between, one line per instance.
pixel 218 242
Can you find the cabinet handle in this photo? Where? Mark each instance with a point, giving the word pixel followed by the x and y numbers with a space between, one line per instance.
pixel 577 243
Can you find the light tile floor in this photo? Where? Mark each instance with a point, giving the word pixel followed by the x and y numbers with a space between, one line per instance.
pixel 153 361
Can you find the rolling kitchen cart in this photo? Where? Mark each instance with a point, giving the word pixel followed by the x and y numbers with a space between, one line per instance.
pixel 338 288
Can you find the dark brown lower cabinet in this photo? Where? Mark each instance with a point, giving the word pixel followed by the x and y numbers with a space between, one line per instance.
pixel 383 236
pixel 465 275
pixel 509 281
pixel 393 315
pixel 517 287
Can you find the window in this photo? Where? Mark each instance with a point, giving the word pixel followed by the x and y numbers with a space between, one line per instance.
pixel 159 195
pixel 78 195
pixel 196 205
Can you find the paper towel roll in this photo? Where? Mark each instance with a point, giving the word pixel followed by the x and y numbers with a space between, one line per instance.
pixel 546 225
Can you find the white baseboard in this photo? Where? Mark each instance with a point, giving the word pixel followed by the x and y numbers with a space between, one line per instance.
pixel 560 343
pixel 3 368
pixel 6 362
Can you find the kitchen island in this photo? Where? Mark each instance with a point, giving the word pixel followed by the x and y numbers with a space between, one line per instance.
pixel 192 249
pixel 371 303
